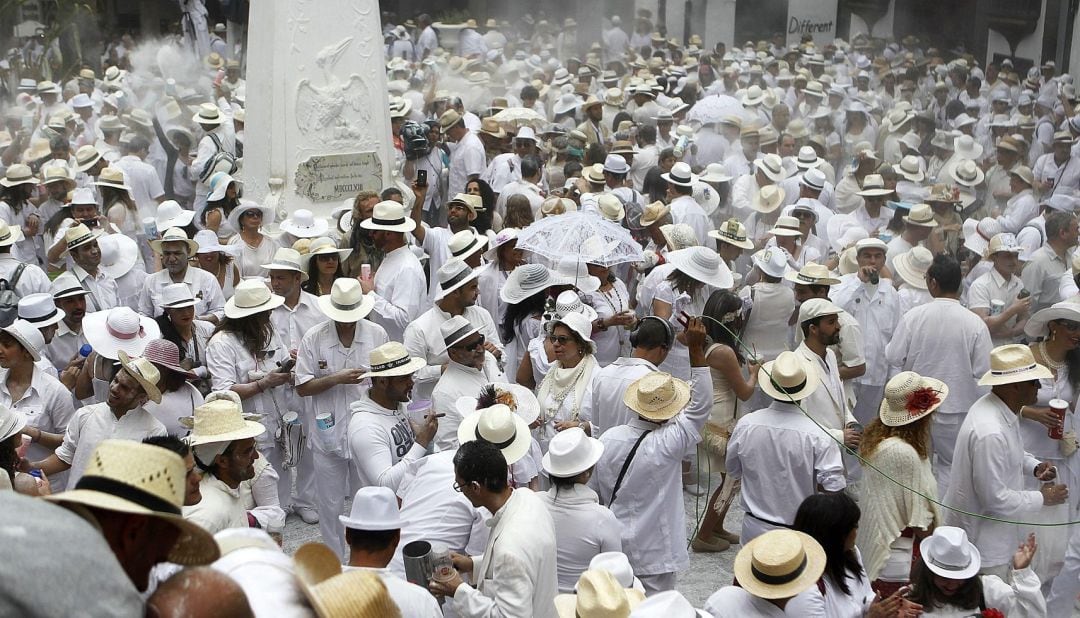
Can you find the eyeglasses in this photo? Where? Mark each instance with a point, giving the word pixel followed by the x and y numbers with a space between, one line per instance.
pixel 458 487
pixel 560 339
pixel 472 347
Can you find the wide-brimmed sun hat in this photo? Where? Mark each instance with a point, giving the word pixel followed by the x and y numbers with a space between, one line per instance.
pixel 500 426
pixel 119 329
pixel 392 359
pixel 1038 325
pixel 126 476
pixel 912 266
pixel 251 296
pixel 18 174
pixel 704 265
pixel 657 396
pixel 219 185
pixel 1013 363
pixel 779 564
pixel 571 452
pixel 949 553
pixel 733 232
pixel 811 273
pixel 909 397
pixel 788 378
pixel 979 232
pixel 346 301
pixel 529 279
pixel 246 206
pixel 336 594
pixel 598 595
pixel 303 224
pixel 706 196
pixel 119 253
pixel 171 214
pixel 220 420
pixel 577 272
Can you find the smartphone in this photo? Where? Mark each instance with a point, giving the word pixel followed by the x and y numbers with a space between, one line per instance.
pixel 286 366
pixel 421 178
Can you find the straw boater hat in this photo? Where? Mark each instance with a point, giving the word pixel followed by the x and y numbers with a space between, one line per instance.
pixel 499 426
pixel 287 259
pixel 909 397
pixel 788 378
pixel 389 216
pixel 175 234
pixel 950 554
pixel 303 224
pixel 912 266
pixel 346 301
pixel 1038 325
pixel 119 329
pixel 812 273
pixel 126 476
pixel 251 296
pixel 779 564
pixel 702 264
pixel 220 421
pixel 392 359
pixel 1013 363
pixel 657 396
pixel 733 232
pixel 529 279
pixel 452 275
pixel 598 595
pixel 336 594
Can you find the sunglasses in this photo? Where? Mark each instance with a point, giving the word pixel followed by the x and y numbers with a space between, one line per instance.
pixel 254 213
pixel 1069 325
pixel 560 339
pixel 472 347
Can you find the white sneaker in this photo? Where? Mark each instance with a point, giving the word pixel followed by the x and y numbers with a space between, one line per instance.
pixel 694 489
pixel 309 516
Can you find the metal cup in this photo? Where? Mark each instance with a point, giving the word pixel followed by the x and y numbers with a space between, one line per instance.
pixel 417 558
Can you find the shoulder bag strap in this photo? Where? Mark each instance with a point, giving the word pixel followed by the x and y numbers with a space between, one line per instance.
pixel 626 466
pixel 18 273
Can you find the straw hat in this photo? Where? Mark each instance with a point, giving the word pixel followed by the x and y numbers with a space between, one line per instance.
pixel 1038 325
pixel 979 233
pixel 389 216
pixel 767 199
pixel 287 259
pixel 912 266
pixel 571 452
pixel 657 396
pixel 678 236
pixel 950 554
pixel 968 174
pixel 57 173
pixel 18 174
pixel 704 265
pixel 1022 172
pixel 119 329
pixel 921 214
pixel 208 114
pixel 793 378
pixel 786 225
pixel 218 421
pixel 303 224
pixel 175 234
pixel 126 476
pixel 392 359
pixel 1013 363
pixel 599 595
pixel 873 186
pixel 144 372
pixel 28 336
pixel 653 213
pixel 86 157
pixel 733 232
pixel 336 594
pixel 529 279
pixel 171 214
pixel 499 426
pixel 40 310
pixel 10 235
pixel 793 558
pixel 250 296
pixel 346 301
pixel 112 177
pixel 812 273
pixel 909 397
pixel 910 169
pixel 772 166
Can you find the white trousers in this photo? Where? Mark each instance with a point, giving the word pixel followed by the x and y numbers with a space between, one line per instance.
pixel 331 490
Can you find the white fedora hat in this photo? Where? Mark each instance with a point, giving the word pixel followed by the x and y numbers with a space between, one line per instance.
pixel 28 336
pixel 452 275
pixel 873 186
pixel 767 199
pixel 171 214
pixel 680 175
pixel 499 426
pixel 455 330
pixel 786 225
pixel 704 265
pixel 346 301
pixel 1013 363
pixel 921 214
pixel 389 216
pixel 772 166
pixel 949 553
pixel 287 259
pixel 251 296
pixel 40 310
pixel 177 296
pixel 788 378
pixel 174 234
pixel 303 224
pixel 967 173
pixel 909 397
pixel 65 286
pixel 208 114
pixel 119 252
pixel 465 243
pixel 119 329
pixel 808 158
pixel 392 359
pixel 772 261
pixel 220 420
pixel 529 279
pixel 373 508
pixel 571 452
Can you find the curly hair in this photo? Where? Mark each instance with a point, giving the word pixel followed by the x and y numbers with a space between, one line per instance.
pixel 916 434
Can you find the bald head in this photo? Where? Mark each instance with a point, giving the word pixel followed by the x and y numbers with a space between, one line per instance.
pixel 199 592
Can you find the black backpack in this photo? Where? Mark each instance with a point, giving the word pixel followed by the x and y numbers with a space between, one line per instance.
pixel 9 298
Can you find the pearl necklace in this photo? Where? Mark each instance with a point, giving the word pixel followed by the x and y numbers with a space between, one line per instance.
pixel 1051 363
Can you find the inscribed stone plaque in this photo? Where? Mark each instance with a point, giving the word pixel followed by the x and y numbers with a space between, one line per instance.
pixel 330 178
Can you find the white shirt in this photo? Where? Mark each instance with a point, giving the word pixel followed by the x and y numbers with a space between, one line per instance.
pixel 229 363
pixel 400 292
pixel 517 575
pixel 870 223
pixel 1031 236
pixel 457 381
pixel 471 43
pixel 1042 277
pixel 520 187
pixel 989 471
pixel 992 286
pixel 583 528
pixel 145 185
pixel 877 311
pixel 251 259
pixel 1065 178
pixel 426 43
pixel 33 280
pixel 685 209
pixel 781 456
pixel 838 604
pixel 944 340
pixel 467 159
pixel 103 292
pixel 503 169
pixel 292 323
pixel 204 287
pixel 649 502
pixel 736 602
pixel 96 422
pixel 1020 209
pixel 221 506
pixel 381 444
pixel 64 345
pixel 47 404
pixel 423 339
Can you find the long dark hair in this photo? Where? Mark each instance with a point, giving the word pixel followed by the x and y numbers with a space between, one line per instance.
pixel 683 282
pixel 169 332
pixel 721 303
pixel 9 457
pixel 518 312
pixel 830 518
pixel 482 223
pixel 253 331
pixel 112 195
pixel 15 197
pixel 654 185
pixel 311 286
pixel 926 593
pixel 226 204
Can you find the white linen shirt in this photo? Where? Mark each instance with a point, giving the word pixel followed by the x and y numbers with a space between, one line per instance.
pixel 878 312
pixel 292 323
pixel 649 502
pixel 1042 277
pixel 583 528
pixel 989 471
pixel 203 285
pixel 423 339
pixel 603 399
pixel 736 602
pixel 381 444
pixel 230 363
pixel 33 280
pixel 992 286
pixel 1020 209
pixel 458 381
pixel 46 404
pixel 685 209
pixel 1065 179
pixel 467 159
pixel 400 292
pixel 221 506
pixel 103 292
pixel 96 422
pixel 145 185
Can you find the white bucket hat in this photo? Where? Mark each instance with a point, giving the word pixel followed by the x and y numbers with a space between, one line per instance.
pixel 772 261
pixel 303 224
pixel 346 301
pixel 1013 363
pixel 912 266
pixel 250 296
pixel 373 508
pixel 452 275
pixel 40 310
pixel 119 252
pixel 793 378
pixel 392 359
pixel 577 322
pixel 499 426
pixel 704 265
pixel 949 553
pixel 571 452
pixel 389 216
pixel 529 279
pixel 119 329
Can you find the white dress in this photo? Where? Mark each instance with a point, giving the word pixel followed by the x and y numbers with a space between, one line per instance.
pixel 251 259
pixel 613 342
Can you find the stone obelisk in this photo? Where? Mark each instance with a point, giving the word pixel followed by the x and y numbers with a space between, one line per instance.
pixel 317 127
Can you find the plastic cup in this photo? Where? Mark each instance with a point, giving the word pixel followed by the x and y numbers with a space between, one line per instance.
pixel 325 421
pixel 419 409
pixel 442 566
pixel 1059 407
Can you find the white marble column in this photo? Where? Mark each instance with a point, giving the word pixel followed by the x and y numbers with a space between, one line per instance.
pixel 316 101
